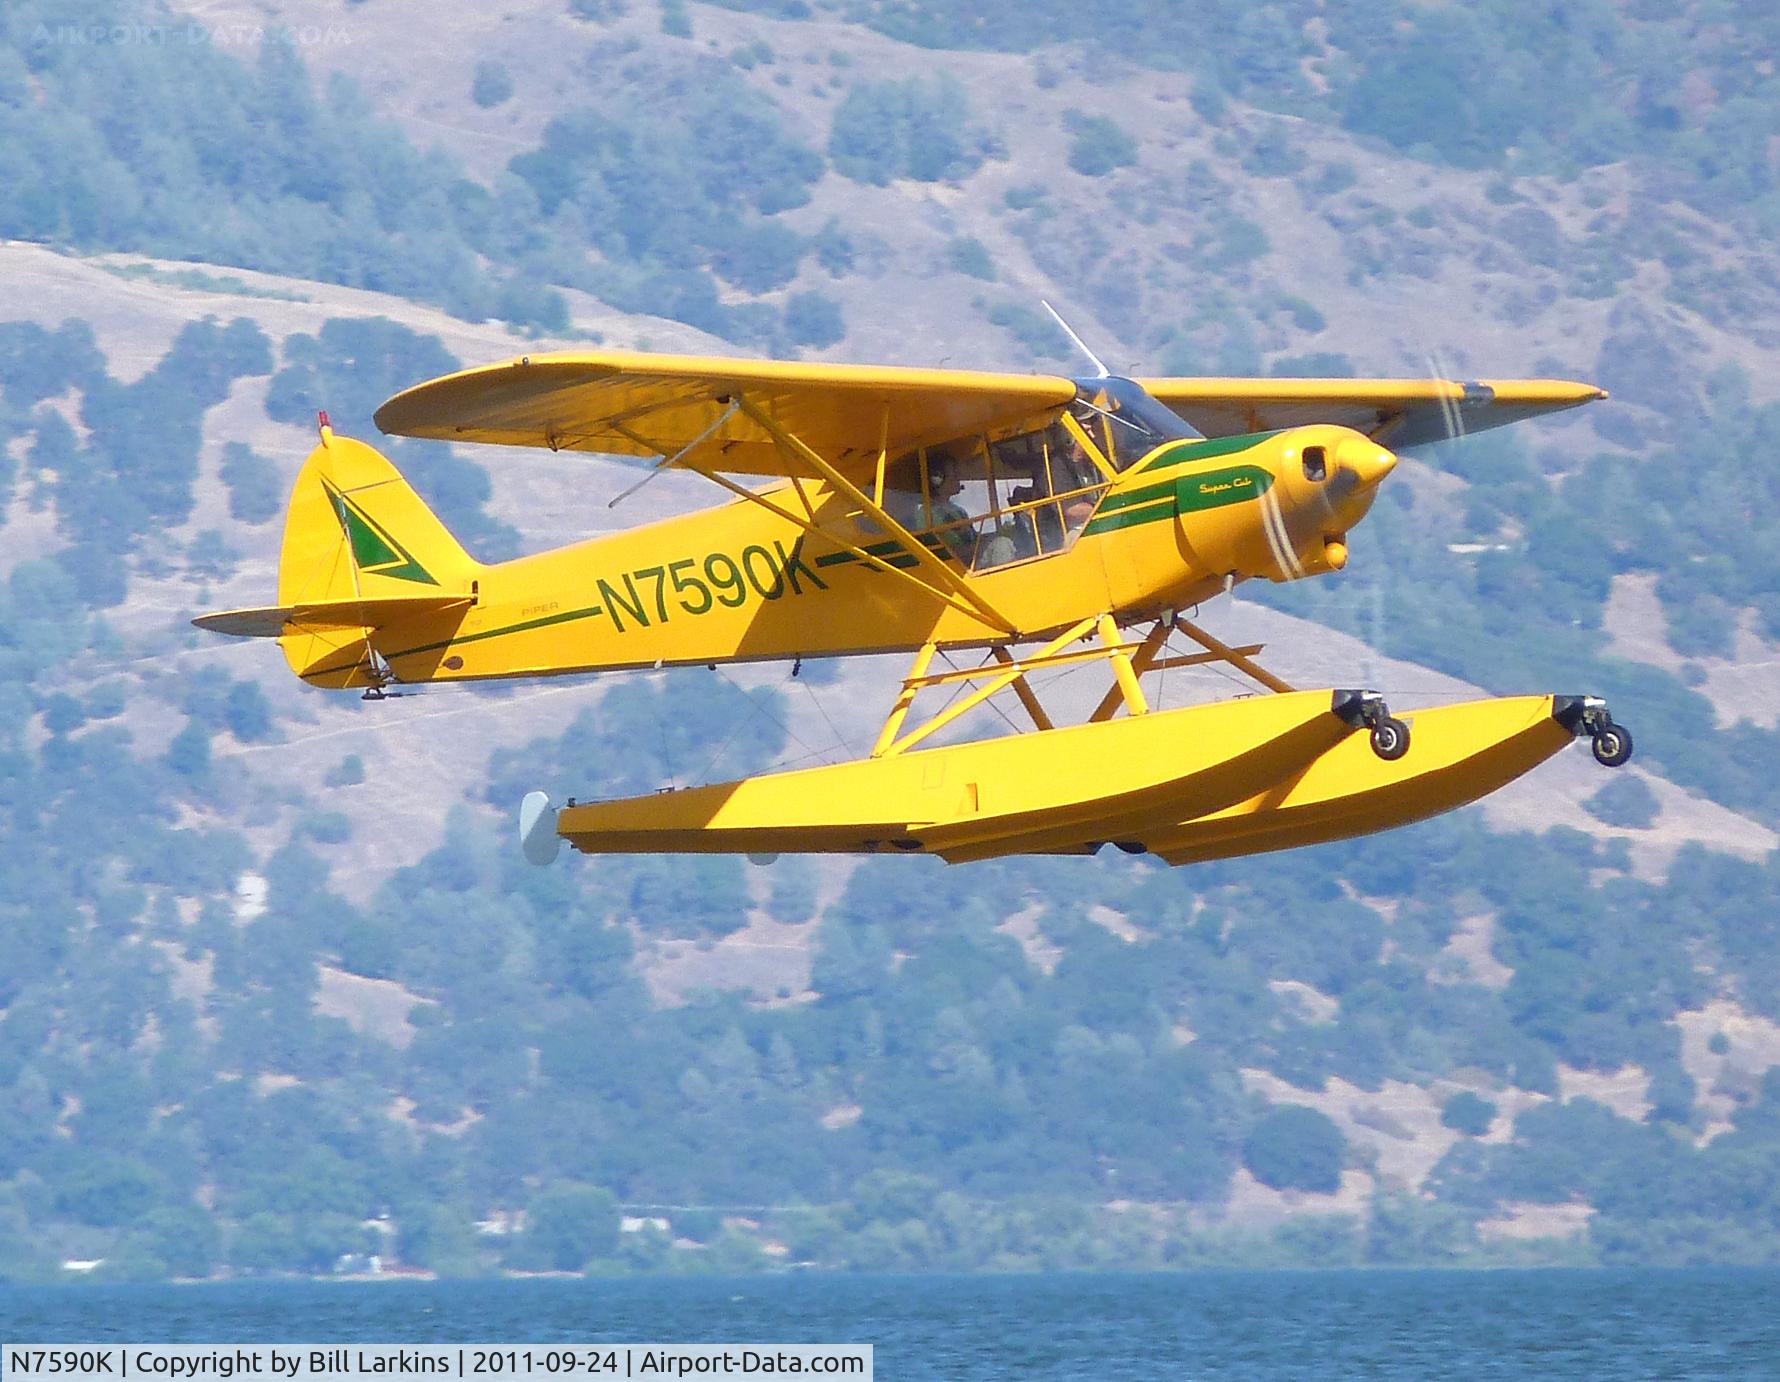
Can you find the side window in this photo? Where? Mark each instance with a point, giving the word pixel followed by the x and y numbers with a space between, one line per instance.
pixel 903 498
pixel 946 492
pixel 1050 488
pixel 990 505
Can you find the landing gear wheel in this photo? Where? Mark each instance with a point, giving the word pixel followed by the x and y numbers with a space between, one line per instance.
pixel 1612 745
pixel 1390 739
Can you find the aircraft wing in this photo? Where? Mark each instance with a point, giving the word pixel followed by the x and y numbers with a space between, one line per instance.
pixel 650 405
pixel 1399 412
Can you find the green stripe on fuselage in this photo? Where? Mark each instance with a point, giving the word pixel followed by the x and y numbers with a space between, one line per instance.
pixel 1185 452
pixel 522 627
pixel 1130 498
pixel 1190 492
pixel 1211 489
pixel 1155 511
pixel 893 552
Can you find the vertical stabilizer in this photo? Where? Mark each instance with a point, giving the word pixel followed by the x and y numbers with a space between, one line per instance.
pixel 356 530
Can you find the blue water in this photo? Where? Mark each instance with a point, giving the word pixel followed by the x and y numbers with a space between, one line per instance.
pixel 1213 1325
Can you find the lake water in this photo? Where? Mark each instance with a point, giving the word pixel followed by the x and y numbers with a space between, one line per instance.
pixel 1596 1325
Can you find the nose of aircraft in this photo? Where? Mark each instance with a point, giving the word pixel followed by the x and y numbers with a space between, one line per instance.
pixel 1366 460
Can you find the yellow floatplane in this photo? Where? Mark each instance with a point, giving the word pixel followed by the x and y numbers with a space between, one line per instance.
pixel 1023 523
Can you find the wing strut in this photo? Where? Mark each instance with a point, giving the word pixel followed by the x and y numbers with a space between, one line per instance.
pixel 1141 661
pixel 1236 657
pixel 794 447
pixel 1147 657
pixel 809 525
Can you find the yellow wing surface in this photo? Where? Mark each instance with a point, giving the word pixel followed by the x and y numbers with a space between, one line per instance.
pixel 649 405
pixel 1398 412
pixel 627 403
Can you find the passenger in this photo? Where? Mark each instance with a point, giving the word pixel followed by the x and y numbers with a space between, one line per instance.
pixel 1038 529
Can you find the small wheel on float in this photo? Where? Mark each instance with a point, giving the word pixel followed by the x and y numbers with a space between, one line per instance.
pixel 1390 739
pixel 1612 746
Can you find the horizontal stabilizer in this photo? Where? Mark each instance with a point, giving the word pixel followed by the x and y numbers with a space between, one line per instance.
pixel 279 620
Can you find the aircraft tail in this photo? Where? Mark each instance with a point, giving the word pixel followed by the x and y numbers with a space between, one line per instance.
pixel 362 552
pixel 355 529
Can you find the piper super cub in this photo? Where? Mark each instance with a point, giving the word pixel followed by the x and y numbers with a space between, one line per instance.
pixel 1009 523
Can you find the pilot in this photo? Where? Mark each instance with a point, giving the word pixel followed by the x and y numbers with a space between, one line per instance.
pixel 944 485
pixel 1077 471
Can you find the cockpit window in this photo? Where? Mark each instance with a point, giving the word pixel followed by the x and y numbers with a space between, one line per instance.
pixel 1050 489
pixel 992 504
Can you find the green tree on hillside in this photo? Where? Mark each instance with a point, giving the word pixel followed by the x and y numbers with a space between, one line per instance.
pixel 1292 1147
pixel 569 1225
pixel 920 128
pixel 187 152
pixel 1097 144
pixel 717 175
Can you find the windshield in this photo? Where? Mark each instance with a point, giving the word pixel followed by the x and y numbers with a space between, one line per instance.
pixel 1133 423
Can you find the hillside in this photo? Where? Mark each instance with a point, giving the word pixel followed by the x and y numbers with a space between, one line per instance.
pixel 275 989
